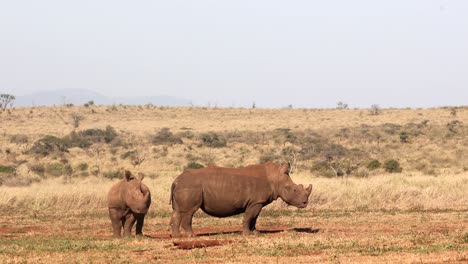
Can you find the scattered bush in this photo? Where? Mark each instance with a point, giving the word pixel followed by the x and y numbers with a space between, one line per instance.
pixel 82 166
pixel 48 145
pixel 284 135
pixel 55 169
pixel 373 164
pixel 404 137
pixel 7 169
pixel 213 140
pixel 67 170
pixel 194 165
pixel 85 138
pixel 39 169
pixel 129 154
pixel 374 109
pixel 19 139
pixel 392 166
pixel 165 136
pixel 116 174
pixel 268 157
pixel 362 173
pixel 322 168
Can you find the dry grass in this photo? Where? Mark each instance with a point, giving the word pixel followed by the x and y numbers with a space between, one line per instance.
pixel 391 192
pixel 419 215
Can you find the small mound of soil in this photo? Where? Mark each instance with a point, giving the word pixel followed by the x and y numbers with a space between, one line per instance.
pixel 200 243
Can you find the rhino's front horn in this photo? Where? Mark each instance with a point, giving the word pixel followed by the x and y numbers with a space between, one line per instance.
pixel 309 189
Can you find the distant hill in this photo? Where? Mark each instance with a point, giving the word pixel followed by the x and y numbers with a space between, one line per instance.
pixel 81 96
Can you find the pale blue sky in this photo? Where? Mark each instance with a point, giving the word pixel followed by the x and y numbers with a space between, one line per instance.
pixel 398 53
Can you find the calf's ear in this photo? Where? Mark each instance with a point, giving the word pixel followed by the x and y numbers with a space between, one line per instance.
pixel 284 169
pixel 128 175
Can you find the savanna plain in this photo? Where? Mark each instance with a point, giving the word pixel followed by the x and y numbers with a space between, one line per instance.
pixel 389 185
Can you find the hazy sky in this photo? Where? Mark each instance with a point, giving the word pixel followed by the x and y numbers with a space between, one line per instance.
pixel 306 53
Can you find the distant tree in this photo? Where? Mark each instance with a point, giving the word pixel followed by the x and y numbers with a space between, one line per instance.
pixel 89 103
pixel 253 105
pixel 76 118
pixel 341 105
pixel 5 100
pixel 375 109
pixel 453 111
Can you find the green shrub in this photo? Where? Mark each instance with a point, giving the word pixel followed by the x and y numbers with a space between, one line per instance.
pixel 39 169
pixel 165 136
pixel 392 166
pixel 129 154
pixel 322 169
pixel 55 169
pixel 374 164
pixel 7 169
pixel 67 169
pixel 82 166
pixel 48 145
pixel 85 138
pixel 404 137
pixel 194 165
pixel 283 135
pixel 115 174
pixel 213 140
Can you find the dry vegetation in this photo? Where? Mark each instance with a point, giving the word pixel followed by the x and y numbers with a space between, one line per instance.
pixel 389 187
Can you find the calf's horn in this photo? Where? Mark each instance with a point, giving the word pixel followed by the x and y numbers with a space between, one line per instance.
pixel 309 189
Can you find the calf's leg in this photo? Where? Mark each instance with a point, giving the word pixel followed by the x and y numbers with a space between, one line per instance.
pixel 140 218
pixel 129 222
pixel 115 215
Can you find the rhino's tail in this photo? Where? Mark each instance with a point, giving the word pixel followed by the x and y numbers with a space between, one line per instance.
pixel 172 192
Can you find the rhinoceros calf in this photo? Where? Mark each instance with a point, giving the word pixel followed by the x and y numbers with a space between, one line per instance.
pixel 223 192
pixel 128 201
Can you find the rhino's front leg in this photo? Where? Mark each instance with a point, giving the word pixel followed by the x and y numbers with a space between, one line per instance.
pixel 250 218
pixel 140 218
pixel 129 222
pixel 116 217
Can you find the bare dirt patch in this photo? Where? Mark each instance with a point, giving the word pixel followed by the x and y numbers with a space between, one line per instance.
pixel 355 237
pixel 200 243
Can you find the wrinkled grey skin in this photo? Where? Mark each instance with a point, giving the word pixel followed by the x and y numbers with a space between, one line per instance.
pixel 128 202
pixel 223 192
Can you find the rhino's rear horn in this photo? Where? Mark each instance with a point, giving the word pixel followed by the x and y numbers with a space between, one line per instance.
pixel 309 188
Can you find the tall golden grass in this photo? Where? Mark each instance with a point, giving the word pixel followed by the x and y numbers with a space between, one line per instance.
pixel 435 163
pixel 385 192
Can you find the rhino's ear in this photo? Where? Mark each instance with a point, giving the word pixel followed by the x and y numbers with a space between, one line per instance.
pixel 284 169
pixel 128 175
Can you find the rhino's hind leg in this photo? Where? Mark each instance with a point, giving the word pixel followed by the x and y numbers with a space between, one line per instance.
pixel 185 203
pixel 128 224
pixel 250 218
pixel 175 224
pixel 186 222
